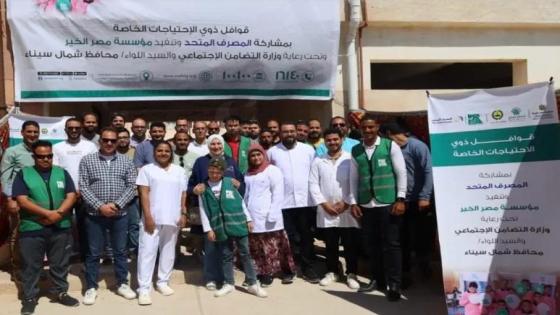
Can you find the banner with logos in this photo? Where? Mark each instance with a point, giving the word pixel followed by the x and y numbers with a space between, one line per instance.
pixel 69 50
pixel 50 128
pixel 496 159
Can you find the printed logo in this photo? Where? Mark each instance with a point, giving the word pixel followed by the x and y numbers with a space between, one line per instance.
pixel 44 131
pixel 229 194
pixel 542 107
pixel 60 184
pixel 474 119
pixel 497 114
pixel 381 163
pixel 516 111
pixel 146 75
pixel 205 76
pixel 516 115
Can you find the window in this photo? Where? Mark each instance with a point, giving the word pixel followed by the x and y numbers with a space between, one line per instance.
pixel 457 75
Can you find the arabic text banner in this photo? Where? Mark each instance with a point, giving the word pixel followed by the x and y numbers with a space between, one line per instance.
pixel 175 49
pixel 496 157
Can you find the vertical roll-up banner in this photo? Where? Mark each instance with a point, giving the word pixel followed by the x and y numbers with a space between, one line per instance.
pixel 496 159
pixel 50 128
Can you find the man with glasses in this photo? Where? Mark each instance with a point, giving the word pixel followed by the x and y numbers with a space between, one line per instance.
pixel 145 150
pixel 107 183
pixel 138 131
pixel 339 122
pixel 213 128
pixel 68 154
pixel 46 195
pixel 199 145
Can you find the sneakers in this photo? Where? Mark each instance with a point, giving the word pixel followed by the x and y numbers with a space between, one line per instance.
pixel 67 300
pixel 125 291
pixel 288 278
pixel 144 298
pixel 352 281
pixel 211 286
pixel 28 306
pixel 265 280
pixel 225 290
pixel 328 279
pixel 310 276
pixel 90 296
pixel 164 289
pixel 255 289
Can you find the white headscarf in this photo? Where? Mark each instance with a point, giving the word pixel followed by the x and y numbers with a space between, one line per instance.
pixel 215 137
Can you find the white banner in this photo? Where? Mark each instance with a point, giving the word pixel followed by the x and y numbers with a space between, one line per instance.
pixel 50 128
pixel 70 50
pixel 496 157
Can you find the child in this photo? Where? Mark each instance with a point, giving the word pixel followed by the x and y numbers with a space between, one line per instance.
pixel 470 307
pixel 227 222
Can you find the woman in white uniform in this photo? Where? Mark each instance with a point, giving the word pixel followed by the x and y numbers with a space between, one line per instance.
pixel 162 188
pixel 264 196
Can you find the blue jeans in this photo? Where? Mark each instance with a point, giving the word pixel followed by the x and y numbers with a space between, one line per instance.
pixel 133 212
pixel 226 248
pixel 212 270
pixel 96 227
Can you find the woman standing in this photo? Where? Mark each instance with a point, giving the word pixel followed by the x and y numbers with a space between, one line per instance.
pixel 162 189
pixel 268 241
pixel 212 272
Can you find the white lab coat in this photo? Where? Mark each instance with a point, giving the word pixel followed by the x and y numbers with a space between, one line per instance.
pixel 294 165
pixel 330 182
pixel 264 196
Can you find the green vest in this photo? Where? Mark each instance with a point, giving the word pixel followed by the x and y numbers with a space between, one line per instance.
pixel 376 176
pixel 243 153
pixel 48 195
pixel 226 215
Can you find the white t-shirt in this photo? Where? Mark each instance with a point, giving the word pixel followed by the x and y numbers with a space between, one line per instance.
pixel 68 156
pixel 200 149
pixel 166 187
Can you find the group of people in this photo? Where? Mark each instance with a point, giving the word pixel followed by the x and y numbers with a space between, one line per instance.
pixel 255 197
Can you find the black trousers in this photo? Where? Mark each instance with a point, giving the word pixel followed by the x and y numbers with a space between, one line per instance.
pixel 299 224
pixel 350 241
pixel 57 245
pixel 382 242
pixel 418 234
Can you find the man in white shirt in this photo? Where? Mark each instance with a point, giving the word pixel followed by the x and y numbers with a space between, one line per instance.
pixel 199 145
pixel 378 183
pixel 68 154
pixel 329 186
pixel 294 160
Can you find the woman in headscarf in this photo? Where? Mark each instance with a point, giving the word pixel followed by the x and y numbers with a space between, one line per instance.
pixel 212 272
pixel 268 241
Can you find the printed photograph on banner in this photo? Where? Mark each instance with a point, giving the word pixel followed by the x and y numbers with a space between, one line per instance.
pixel 479 293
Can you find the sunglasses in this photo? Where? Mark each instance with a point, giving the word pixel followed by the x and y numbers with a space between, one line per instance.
pixel 43 156
pixel 106 140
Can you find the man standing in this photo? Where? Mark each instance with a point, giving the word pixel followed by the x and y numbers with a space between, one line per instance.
pixel 294 160
pixel 265 139
pixel 302 130
pixel 274 127
pixel 339 122
pixel 418 223
pixel 213 128
pixel 68 154
pixel 183 157
pixel 314 137
pixel 329 187
pixel 107 183
pixel 378 179
pixel 117 120
pixel 14 159
pixel 145 150
pixel 244 127
pixel 46 194
pixel 138 131
pixel 124 145
pixel 90 123
pixel 181 124
pixel 236 146
pixel 199 145
pixel 254 130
